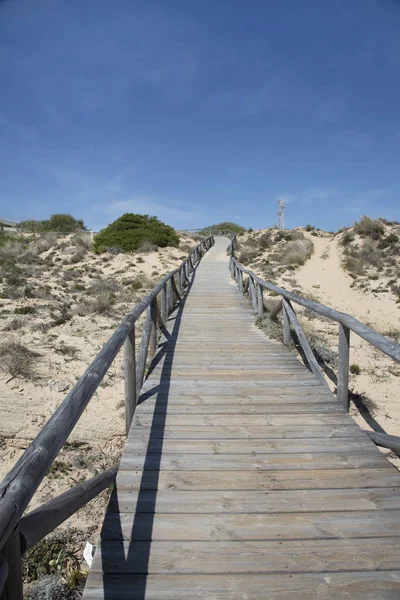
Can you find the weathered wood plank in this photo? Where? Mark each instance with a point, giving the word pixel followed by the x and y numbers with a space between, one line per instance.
pixel 266 462
pixel 259 526
pixel 262 480
pixel 253 446
pixel 296 556
pixel 353 585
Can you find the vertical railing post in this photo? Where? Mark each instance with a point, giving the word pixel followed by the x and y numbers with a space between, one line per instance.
pixel 153 335
pixel 240 280
pixel 252 293
pixel 163 300
pixel 260 302
pixel 287 336
pixel 130 378
pixel 343 366
pixel 143 350
pixel 11 551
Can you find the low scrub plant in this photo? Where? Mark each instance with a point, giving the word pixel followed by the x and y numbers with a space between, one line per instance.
pixel 17 360
pixel 369 228
pixel 296 252
pixel 130 231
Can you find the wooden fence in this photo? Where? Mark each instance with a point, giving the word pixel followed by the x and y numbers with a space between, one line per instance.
pixel 254 286
pixel 19 533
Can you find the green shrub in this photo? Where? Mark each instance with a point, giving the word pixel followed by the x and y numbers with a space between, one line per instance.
pixel 355 369
pixel 353 265
pixel 370 228
pixel 62 222
pixel 347 238
pixel 225 226
pixel 25 310
pixel 388 241
pixel 310 228
pixel 130 231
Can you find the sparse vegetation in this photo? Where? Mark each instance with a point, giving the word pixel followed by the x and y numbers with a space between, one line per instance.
pixel 130 231
pixel 355 369
pixel 17 360
pixel 369 228
pixel 297 252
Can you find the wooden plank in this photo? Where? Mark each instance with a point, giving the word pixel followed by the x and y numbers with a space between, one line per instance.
pixel 259 526
pixel 219 432
pixel 228 420
pixel 259 480
pixel 261 409
pixel 247 557
pixel 266 462
pixel 354 585
pixel 254 446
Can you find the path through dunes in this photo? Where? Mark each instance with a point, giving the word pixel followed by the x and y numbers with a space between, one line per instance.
pixel 242 477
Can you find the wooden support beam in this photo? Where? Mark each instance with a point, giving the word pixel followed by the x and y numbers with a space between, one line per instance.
pixel 312 361
pixel 130 378
pixel 43 520
pixel 343 366
pixel 386 441
pixel 11 553
pixel 3 573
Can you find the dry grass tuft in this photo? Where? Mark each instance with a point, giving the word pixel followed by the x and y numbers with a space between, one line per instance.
pixel 296 252
pixel 17 360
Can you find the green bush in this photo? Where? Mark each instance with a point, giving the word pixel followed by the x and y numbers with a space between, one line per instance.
pixel 62 222
pixel 388 241
pixel 225 226
pixel 130 231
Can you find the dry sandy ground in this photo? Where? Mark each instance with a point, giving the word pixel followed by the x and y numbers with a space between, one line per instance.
pixel 323 279
pixel 63 353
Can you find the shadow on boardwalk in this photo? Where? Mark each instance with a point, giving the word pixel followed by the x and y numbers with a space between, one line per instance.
pixel 142 528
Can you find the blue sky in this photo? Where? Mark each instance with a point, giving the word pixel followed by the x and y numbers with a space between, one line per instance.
pixel 200 111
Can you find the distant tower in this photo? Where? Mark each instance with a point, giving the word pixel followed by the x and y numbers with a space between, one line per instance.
pixel 281 214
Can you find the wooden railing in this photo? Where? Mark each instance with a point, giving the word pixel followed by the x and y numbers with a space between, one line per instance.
pixel 18 533
pixel 254 287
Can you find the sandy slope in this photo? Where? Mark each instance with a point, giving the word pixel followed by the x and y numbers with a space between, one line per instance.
pixel 324 269
pixel 27 403
pixel 323 277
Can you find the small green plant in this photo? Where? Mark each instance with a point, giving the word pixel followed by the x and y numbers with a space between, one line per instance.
pixel 25 310
pixel 388 241
pixel 355 369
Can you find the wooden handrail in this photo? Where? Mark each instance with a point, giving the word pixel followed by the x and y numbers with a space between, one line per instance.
pixel 376 339
pixel 346 322
pixel 21 483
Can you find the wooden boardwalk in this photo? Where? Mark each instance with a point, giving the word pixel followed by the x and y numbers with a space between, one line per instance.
pixel 242 477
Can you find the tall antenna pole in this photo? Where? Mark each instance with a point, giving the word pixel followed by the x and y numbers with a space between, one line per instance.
pixel 281 214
